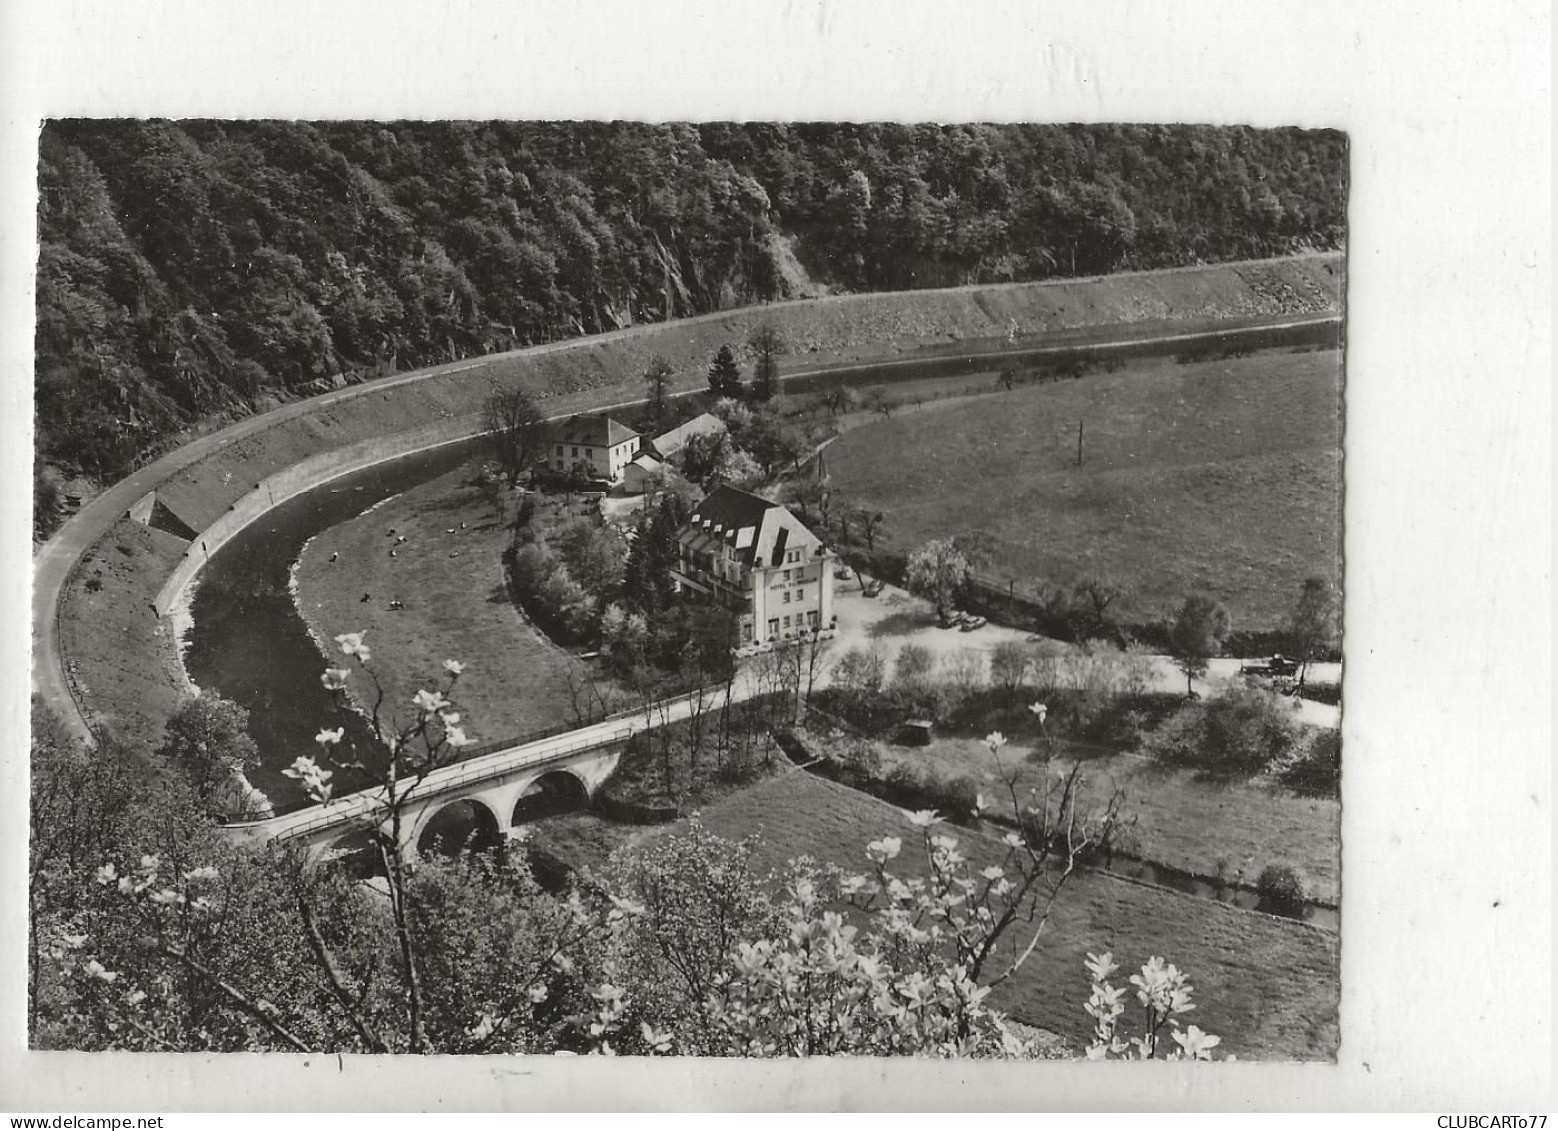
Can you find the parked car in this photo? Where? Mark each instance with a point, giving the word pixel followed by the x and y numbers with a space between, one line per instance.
pixel 971 623
pixel 1277 665
pixel 871 588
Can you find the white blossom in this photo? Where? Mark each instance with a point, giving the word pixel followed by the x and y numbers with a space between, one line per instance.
pixel 885 849
pixel 428 701
pixel 351 643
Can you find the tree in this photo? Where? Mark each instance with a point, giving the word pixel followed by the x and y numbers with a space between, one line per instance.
pixel 840 398
pixel 1198 634
pixel 936 571
pixel 153 934
pixel 207 739
pixel 1091 598
pixel 516 429
pixel 725 375
pixel 767 346
pixel 1315 626
pixel 703 455
pixel 657 378
pixel 912 669
pixel 807 496
pixel 869 521
pixel 1010 661
pixel 770 441
pixel 860 672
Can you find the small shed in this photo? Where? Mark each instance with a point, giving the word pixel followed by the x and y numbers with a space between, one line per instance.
pixel 916 732
pixel 638 474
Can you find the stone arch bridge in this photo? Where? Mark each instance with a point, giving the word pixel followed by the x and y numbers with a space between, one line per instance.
pixel 499 787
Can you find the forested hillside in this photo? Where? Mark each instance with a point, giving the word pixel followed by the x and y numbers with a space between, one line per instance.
pixel 194 269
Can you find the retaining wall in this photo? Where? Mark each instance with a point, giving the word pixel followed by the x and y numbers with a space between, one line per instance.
pixel 301 477
pixel 210 484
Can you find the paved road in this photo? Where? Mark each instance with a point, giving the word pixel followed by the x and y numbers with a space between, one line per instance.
pixel 53 562
pixel 58 556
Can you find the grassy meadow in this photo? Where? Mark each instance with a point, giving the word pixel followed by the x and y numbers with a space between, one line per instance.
pixel 1222 476
pixel 456 602
pixel 1268 986
pixel 1182 818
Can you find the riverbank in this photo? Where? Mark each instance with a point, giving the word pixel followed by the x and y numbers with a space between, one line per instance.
pixel 421 575
pixel 104 657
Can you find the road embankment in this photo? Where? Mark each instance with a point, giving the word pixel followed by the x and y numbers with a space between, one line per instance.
pixel 105 654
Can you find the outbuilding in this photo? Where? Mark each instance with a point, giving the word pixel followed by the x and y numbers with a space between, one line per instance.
pixel 644 470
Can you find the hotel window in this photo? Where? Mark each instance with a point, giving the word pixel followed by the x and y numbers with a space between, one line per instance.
pixel 576 451
pixel 787 622
pixel 786 577
pixel 589 452
pixel 793 556
pixel 786 596
pixel 559 449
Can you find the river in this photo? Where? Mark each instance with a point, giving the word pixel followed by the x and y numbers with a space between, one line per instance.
pixel 248 642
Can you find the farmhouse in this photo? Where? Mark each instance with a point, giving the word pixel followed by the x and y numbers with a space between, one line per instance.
pixel 594 442
pixel 756 558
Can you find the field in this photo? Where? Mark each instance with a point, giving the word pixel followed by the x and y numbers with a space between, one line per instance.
pixel 1222 476
pixel 456 607
pixel 1183 818
pixel 1268 986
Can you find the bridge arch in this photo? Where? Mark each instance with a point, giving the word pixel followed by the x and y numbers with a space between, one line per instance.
pixel 448 827
pixel 556 791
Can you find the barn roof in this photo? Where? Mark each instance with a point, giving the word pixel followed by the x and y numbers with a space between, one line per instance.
pixel 705 424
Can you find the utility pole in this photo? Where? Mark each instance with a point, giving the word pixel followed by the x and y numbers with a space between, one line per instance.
pixel 1079 443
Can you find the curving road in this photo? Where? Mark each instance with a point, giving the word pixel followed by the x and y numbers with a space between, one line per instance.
pixel 57 558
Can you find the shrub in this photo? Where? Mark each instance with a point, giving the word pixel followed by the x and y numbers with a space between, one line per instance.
pixel 1283 889
pixel 1009 664
pixel 861 671
pixel 1316 768
pixel 903 781
pixel 1241 731
pixel 963 674
pixel 958 797
pixel 859 761
pixel 912 668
